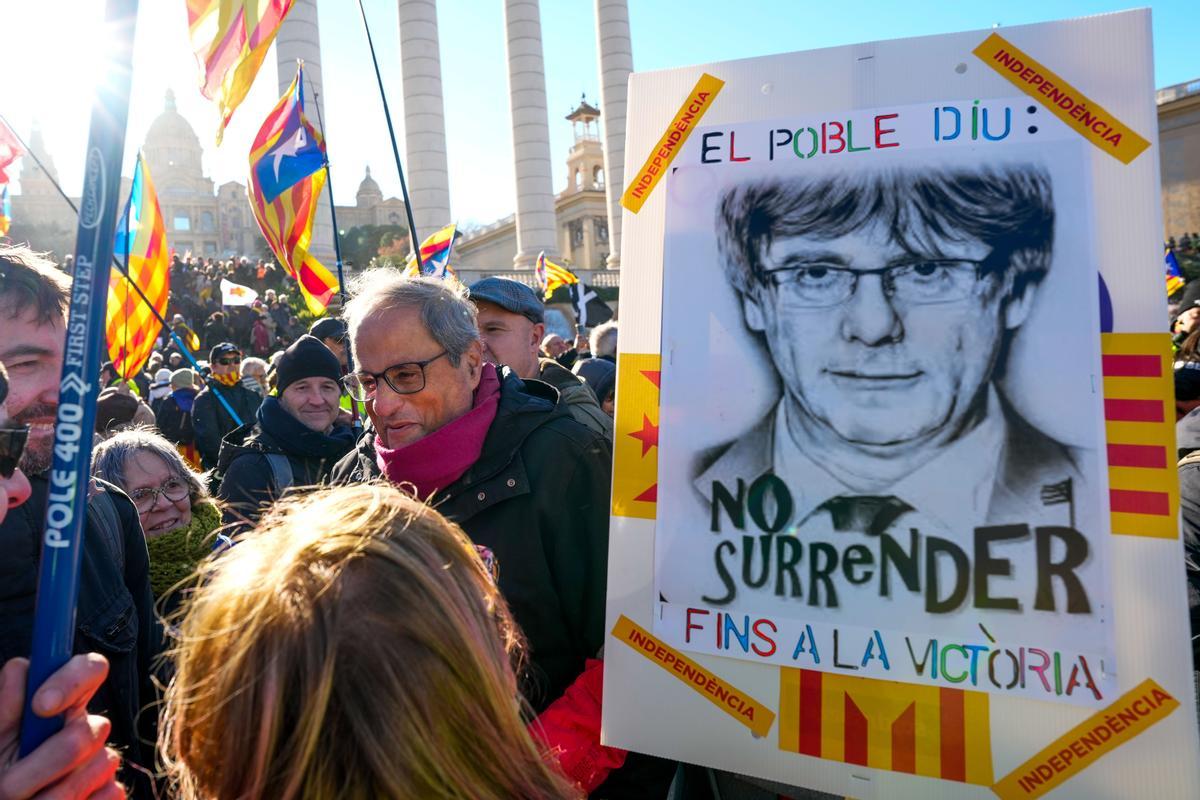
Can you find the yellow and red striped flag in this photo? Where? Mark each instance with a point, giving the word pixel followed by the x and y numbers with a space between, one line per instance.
pixel 926 730
pixel 287 174
pixel 230 39
pixel 551 276
pixel 140 244
pixel 435 255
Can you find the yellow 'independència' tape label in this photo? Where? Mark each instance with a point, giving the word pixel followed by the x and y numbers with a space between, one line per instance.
pixel 734 702
pixel 1083 745
pixel 642 183
pixel 1087 117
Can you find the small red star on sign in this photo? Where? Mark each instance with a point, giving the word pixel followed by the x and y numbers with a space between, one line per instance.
pixel 648 435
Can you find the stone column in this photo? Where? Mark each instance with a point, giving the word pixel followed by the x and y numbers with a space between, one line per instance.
pixel 536 226
pixel 616 62
pixel 299 37
pixel 589 245
pixel 424 116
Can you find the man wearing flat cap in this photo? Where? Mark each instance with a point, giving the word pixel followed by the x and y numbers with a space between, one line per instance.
pixel 512 322
pixel 332 333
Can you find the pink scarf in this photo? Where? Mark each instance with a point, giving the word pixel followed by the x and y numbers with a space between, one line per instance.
pixel 439 459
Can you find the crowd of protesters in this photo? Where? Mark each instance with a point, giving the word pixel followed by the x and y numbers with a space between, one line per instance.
pixel 303 578
pixel 1184 307
pixel 432 524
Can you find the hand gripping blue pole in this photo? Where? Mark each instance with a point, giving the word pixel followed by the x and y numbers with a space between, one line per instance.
pixel 66 511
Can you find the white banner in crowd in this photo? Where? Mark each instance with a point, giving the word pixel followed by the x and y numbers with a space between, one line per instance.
pixel 234 294
pixel 895 507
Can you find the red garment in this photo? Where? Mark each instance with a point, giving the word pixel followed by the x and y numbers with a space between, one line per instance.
pixel 439 459
pixel 261 337
pixel 569 729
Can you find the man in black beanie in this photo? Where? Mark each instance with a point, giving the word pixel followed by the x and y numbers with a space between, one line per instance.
pixel 294 440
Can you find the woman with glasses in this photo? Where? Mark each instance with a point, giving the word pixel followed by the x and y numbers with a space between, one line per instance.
pixel 176 513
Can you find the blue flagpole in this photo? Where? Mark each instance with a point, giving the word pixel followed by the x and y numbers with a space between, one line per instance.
pixel 66 511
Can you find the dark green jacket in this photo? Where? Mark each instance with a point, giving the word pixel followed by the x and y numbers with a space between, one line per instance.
pixel 537 497
pixel 577 396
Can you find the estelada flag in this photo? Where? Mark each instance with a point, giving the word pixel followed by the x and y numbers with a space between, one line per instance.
pixel 1175 279
pixel 935 731
pixel 230 39
pixel 10 151
pixel 140 244
pixel 287 174
pixel 550 276
pixel 435 255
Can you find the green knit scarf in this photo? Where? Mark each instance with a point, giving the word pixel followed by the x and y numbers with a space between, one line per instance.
pixel 175 555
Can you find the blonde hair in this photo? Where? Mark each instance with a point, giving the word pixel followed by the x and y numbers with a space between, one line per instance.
pixel 352 646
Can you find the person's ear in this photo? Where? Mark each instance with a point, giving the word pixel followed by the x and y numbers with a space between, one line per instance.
pixel 756 319
pixel 536 333
pixel 1019 306
pixel 474 361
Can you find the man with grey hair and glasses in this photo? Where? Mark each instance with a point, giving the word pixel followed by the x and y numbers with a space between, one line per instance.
pixel 499 456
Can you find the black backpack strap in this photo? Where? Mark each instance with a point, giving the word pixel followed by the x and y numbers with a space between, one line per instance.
pixel 281 472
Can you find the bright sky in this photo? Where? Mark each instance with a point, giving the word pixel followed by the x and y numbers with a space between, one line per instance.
pixel 48 53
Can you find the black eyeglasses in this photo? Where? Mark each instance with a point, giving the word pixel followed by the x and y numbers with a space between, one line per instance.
pixel 173 491
pixel 229 362
pixel 406 378
pixel 928 281
pixel 12 445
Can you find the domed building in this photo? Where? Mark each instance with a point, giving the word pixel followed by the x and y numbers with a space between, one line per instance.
pixel 370 208
pixel 186 196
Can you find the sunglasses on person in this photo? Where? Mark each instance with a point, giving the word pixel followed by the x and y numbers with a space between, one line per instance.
pixel 229 361
pixel 12 445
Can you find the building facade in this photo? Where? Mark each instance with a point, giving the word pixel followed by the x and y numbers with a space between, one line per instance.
pixel 186 196
pixel 370 208
pixel 1179 150
pixel 40 215
pixel 206 221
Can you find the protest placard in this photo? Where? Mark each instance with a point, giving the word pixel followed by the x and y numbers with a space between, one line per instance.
pixel 894 444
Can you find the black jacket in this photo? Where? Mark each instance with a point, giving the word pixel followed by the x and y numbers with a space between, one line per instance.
pixel 173 422
pixel 246 477
pixel 212 422
pixel 537 497
pixel 115 617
